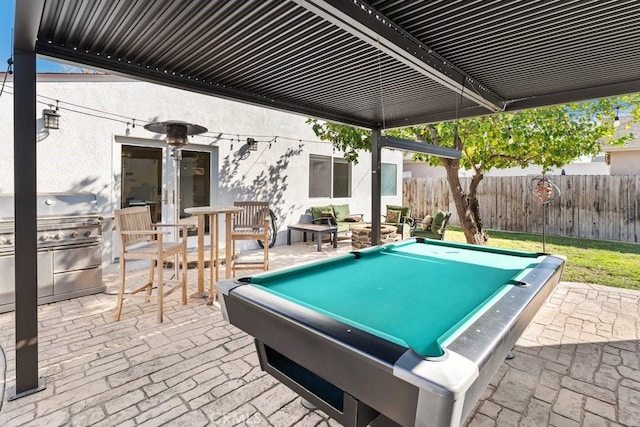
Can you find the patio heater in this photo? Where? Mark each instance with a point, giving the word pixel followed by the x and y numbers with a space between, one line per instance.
pixel 177 132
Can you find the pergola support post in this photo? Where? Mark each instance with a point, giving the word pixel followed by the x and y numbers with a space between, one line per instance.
pixel 25 209
pixel 376 183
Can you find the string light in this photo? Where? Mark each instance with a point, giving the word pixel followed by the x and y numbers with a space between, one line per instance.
pixel 131 123
pixel 510 135
pixel 252 144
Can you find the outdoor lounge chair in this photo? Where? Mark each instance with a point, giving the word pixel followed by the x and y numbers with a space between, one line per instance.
pixel 432 227
pixel 339 216
pixel 399 217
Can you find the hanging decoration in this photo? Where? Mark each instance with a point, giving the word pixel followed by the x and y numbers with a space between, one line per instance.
pixel 545 191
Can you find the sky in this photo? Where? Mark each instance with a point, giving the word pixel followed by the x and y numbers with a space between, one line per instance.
pixel 7 8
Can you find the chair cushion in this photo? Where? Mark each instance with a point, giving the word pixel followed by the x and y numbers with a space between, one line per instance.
pixel 353 218
pixel 393 215
pixel 426 222
pixel 438 219
pixel 404 210
pixel 341 212
pixel 317 211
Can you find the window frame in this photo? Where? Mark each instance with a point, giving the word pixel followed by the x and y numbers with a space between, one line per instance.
pixel 323 181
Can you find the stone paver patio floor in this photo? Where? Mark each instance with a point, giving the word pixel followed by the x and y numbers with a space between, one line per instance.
pixel 578 363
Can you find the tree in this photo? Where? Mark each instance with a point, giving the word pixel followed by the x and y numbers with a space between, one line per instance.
pixel 549 137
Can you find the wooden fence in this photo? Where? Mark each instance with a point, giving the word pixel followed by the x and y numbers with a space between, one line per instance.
pixel 591 206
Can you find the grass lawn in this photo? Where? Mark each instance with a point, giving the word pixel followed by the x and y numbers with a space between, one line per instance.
pixel 588 261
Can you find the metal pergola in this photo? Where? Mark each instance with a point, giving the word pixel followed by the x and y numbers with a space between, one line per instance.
pixel 374 64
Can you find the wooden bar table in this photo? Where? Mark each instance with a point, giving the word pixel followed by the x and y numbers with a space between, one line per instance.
pixel 212 212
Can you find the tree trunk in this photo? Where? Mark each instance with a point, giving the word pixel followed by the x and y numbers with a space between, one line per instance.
pixel 466 204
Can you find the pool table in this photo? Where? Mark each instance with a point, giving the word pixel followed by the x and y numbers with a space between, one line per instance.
pixel 406 333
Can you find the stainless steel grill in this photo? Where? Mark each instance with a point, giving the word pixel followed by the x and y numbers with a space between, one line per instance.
pixel 69 260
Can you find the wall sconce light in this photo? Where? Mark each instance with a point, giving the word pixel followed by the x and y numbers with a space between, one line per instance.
pixel 252 144
pixel 51 119
pixel 616 119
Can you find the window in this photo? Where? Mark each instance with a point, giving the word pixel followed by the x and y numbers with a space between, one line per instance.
pixel 319 176
pixel 341 178
pixel 388 179
pixel 329 177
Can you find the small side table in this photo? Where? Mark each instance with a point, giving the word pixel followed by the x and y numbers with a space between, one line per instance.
pixel 317 230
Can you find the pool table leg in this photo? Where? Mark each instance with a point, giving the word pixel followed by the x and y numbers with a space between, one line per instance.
pixel 307 404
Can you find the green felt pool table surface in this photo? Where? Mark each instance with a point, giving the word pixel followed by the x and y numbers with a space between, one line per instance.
pixel 417 295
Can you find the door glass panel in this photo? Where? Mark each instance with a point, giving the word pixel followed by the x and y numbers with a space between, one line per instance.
pixel 195 182
pixel 142 178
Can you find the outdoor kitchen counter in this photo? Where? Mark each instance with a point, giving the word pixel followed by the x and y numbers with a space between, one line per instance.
pixel 213 211
pixel 69 248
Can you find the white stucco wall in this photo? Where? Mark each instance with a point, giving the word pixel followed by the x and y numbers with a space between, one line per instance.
pixel 422 170
pixel 625 162
pixel 83 155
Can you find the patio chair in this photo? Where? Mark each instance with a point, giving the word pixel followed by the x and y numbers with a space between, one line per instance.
pixel 432 227
pixel 399 217
pixel 252 223
pixel 140 239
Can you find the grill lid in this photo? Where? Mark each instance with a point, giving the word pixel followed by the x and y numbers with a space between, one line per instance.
pixel 53 205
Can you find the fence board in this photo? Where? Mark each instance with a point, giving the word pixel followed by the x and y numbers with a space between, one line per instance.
pixel 635 217
pixel 590 206
pixel 614 208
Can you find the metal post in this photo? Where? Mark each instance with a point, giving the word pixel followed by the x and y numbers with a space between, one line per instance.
pixel 544 225
pixel 177 157
pixel 375 187
pixel 25 210
pixel 177 132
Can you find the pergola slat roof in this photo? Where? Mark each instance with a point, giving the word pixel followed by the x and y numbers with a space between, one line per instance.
pixel 373 64
pixel 376 64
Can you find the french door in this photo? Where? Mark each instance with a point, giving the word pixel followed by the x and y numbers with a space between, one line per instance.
pixel 148 175
pixel 142 179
